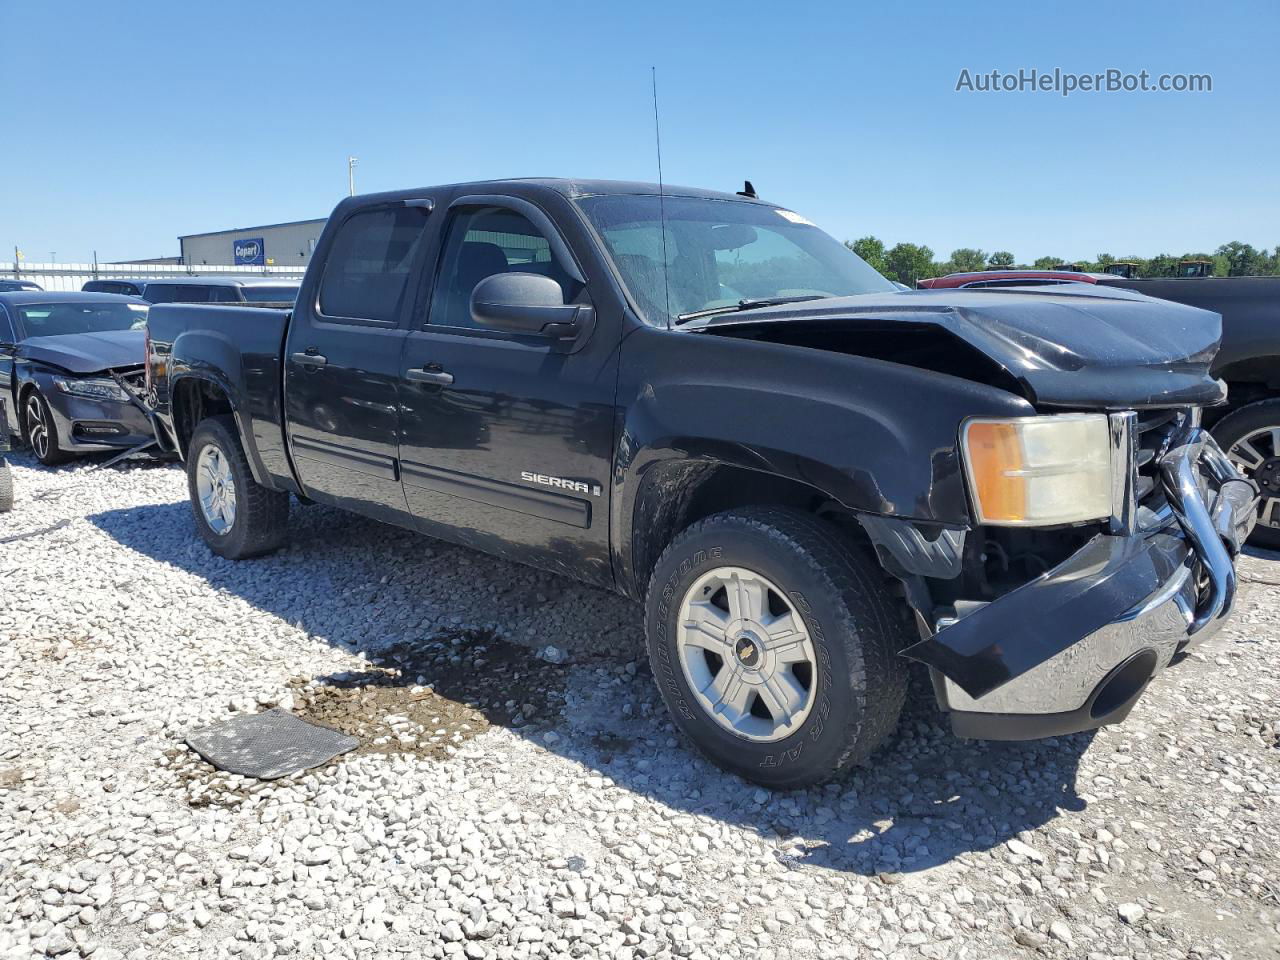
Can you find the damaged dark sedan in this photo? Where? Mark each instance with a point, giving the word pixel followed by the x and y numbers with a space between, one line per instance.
pixel 704 402
pixel 68 362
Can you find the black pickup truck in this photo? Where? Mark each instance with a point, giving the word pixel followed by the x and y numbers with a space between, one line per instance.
pixel 704 402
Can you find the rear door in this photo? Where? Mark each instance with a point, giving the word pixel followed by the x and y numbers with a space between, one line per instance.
pixel 506 439
pixel 342 361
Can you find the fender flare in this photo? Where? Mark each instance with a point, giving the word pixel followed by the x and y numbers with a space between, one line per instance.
pixel 213 377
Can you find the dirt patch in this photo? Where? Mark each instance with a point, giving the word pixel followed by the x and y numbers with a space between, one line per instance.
pixel 425 699
pixel 429 698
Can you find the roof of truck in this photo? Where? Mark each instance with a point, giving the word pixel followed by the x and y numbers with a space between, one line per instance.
pixel 573 188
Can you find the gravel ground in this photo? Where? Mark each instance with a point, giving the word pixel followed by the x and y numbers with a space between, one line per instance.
pixel 512 800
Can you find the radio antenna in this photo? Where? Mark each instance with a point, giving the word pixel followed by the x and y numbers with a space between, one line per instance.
pixel 662 205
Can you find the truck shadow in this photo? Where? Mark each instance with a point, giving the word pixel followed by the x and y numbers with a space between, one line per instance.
pixel 414 606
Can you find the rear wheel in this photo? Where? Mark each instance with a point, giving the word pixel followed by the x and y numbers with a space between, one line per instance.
pixel 236 516
pixel 41 431
pixel 1251 438
pixel 774 642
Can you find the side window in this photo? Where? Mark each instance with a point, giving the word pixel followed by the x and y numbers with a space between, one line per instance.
pixel 368 265
pixel 7 334
pixel 483 241
pixel 223 295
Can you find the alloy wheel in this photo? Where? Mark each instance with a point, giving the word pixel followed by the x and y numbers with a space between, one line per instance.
pixel 216 489
pixel 37 428
pixel 1258 457
pixel 747 654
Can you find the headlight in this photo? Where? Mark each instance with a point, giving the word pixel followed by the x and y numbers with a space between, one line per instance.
pixel 93 389
pixel 1037 471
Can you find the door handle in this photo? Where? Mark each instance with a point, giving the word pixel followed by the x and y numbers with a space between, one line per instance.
pixel 309 359
pixel 430 374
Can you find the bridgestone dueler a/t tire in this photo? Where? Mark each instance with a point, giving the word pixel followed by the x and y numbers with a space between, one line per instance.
pixel 856 623
pixel 262 515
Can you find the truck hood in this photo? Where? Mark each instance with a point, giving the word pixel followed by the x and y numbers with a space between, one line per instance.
pixel 1080 347
pixel 87 352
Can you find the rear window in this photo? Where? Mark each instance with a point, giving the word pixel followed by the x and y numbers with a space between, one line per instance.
pixel 368 266
pixel 190 293
pixel 270 294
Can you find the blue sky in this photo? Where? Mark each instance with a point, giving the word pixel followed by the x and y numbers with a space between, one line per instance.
pixel 129 124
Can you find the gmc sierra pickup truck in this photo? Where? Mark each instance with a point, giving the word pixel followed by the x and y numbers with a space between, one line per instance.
pixel 704 402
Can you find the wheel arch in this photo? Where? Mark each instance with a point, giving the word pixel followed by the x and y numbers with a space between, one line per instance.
pixel 675 494
pixel 194 397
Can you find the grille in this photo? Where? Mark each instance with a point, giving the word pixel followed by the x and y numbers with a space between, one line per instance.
pixel 1157 431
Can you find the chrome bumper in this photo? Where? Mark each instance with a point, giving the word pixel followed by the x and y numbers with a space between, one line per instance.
pixel 1167 586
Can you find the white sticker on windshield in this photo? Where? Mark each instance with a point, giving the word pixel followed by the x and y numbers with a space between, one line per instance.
pixel 794 217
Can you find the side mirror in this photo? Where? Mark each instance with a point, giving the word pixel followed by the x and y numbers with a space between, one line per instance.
pixel 526 303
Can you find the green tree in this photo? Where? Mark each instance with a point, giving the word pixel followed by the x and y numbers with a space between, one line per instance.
pixel 966 260
pixel 870 249
pixel 907 263
pixel 1242 259
pixel 1161 265
pixel 1046 263
pixel 1000 259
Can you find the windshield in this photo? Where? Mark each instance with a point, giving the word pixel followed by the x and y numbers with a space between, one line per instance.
pixel 56 319
pixel 719 252
pixel 258 294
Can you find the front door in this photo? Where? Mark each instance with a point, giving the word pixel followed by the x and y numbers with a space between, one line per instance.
pixel 505 441
pixel 342 363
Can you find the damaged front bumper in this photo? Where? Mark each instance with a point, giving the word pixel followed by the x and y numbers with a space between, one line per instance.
pixel 1075 648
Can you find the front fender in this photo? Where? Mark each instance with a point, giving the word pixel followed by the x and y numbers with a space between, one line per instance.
pixel 873 436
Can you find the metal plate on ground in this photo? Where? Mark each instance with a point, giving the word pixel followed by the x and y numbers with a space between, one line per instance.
pixel 269 745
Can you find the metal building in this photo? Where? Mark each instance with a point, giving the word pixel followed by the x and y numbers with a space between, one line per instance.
pixel 271 245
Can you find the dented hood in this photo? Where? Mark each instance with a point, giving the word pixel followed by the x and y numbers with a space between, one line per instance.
pixel 87 352
pixel 1068 346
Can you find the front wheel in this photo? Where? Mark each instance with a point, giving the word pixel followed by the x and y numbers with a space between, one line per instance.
pixel 1251 438
pixel 236 516
pixel 774 641
pixel 41 430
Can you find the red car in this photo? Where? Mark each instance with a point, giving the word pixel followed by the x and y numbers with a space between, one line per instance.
pixel 1010 278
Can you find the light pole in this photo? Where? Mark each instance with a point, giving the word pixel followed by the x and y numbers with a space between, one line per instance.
pixel 351 175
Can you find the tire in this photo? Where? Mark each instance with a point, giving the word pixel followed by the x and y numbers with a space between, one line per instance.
pixel 1240 426
pixel 815 579
pixel 6 487
pixel 40 430
pixel 257 518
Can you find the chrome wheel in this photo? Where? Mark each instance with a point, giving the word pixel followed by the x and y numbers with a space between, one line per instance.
pixel 216 489
pixel 37 427
pixel 1258 457
pixel 746 654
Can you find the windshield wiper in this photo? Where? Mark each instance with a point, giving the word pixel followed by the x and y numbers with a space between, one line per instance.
pixel 747 305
